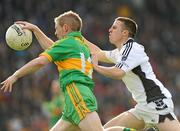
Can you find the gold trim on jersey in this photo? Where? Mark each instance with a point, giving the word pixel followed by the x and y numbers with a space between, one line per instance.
pixel 81 41
pixel 46 55
pixel 74 63
pixel 77 100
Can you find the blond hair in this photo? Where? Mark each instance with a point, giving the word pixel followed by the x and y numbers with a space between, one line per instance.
pixel 70 18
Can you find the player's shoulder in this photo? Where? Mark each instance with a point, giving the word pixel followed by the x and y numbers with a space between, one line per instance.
pixel 137 46
pixel 64 42
pixel 115 51
pixel 132 46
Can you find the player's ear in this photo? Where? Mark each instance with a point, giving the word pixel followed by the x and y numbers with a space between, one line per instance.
pixel 125 32
pixel 66 28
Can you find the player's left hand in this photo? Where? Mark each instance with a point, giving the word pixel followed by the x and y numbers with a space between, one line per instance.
pixel 94 60
pixel 8 83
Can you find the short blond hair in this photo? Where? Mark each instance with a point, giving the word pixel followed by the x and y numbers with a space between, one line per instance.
pixel 71 18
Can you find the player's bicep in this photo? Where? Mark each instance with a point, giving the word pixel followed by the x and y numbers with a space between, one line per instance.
pixel 43 59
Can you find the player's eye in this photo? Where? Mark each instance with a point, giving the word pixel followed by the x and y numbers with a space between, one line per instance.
pixel 114 27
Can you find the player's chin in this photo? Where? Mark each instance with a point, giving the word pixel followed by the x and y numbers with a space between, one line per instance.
pixel 110 40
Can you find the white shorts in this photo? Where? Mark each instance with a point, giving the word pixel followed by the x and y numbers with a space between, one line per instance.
pixel 154 112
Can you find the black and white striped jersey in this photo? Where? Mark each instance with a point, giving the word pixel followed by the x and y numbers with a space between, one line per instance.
pixel 139 78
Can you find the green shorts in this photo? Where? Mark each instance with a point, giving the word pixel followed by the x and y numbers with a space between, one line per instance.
pixel 79 100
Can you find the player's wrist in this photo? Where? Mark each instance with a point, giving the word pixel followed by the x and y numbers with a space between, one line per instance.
pixel 16 75
pixel 35 28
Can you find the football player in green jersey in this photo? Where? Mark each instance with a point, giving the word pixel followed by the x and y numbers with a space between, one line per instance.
pixel 72 57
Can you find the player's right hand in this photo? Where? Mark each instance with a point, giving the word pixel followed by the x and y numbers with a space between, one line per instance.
pixel 8 83
pixel 27 25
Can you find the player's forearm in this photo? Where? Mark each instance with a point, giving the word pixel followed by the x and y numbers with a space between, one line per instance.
pixel 44 41
pixel 30 67
pixel 111 72
pixel 96 50
pixel 93 48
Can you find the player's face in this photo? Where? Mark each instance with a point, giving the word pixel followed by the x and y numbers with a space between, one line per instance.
pixel 116 32
pixel 59 31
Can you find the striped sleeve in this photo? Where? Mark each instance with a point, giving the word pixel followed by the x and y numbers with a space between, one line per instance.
pixel 111 55
pixel 125 54
pixel 132 56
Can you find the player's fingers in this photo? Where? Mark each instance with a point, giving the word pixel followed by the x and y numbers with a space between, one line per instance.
pixel 21 22
pixel 2 88
pixel 94 57
pixel 6 86
pixel 24 25
pixel 3 85
pixel 10 87
pixel 2 82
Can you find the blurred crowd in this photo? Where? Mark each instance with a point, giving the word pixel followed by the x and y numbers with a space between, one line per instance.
pixel 159 25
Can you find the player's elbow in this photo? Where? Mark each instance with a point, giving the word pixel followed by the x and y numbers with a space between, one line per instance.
pixel 40 61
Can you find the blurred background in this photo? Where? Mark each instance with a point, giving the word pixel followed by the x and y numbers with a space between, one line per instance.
pixel 159 32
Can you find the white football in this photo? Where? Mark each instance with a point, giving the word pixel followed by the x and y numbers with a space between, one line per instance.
pixel 18 38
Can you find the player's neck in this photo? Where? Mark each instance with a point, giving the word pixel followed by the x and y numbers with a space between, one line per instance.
pixel 121 43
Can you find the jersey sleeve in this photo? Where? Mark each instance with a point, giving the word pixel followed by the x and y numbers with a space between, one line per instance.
pixel 132 56
pixel 58 51
pixel 111 55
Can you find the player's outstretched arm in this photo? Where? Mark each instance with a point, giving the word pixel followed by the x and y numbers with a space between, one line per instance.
pixel 28 68
pixel 112 72
pixel 44 41
pixel 94 49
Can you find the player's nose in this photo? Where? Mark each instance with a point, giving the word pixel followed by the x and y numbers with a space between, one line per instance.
pixel 110 30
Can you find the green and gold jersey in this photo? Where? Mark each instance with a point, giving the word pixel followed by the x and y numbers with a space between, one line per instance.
pixel 72 57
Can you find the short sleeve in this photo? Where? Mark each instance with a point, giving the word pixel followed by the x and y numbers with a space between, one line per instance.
pixel 132 56
pixel 112 55
pixel 58 51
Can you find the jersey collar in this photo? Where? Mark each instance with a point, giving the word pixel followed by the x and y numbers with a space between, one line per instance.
pixel 75 34
pixel 129 40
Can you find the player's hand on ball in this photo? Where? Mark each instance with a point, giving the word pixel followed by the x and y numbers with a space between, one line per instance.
pixel 18 38
pixel 27 25
pixel 8 83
